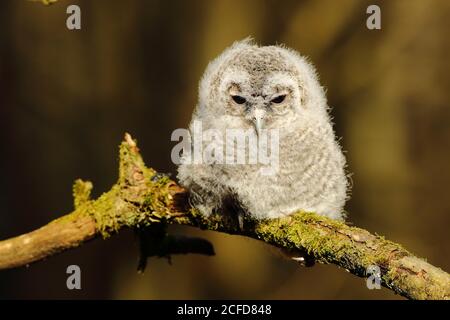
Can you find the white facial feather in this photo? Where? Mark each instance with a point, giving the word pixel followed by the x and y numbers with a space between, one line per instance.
pixel 264 88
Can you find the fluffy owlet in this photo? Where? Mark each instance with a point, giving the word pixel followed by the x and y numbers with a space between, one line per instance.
pixel 273 96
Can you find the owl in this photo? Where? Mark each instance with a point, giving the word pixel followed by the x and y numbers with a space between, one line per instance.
pixel 271 94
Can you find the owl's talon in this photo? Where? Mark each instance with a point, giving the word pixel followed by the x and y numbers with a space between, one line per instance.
pixel 160 175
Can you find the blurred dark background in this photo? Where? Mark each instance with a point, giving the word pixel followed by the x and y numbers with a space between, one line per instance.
pixel 67 97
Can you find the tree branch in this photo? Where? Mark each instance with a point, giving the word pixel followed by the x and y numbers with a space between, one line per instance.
pixel 143 198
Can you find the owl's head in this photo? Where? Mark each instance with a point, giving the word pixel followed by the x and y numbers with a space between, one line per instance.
pixel 261 87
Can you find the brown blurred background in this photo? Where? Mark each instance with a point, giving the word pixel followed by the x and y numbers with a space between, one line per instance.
pixel 67 97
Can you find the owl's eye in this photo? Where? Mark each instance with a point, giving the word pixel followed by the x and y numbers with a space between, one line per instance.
pixel 239 99
pixel 278 99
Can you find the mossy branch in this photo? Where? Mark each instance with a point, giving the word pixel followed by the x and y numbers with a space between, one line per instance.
pixel 143 198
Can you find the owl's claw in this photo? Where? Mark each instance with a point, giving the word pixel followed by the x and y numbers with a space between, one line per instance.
pixel 160 175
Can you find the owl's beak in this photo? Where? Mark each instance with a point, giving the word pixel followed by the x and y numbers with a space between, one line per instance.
pixel 258 121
